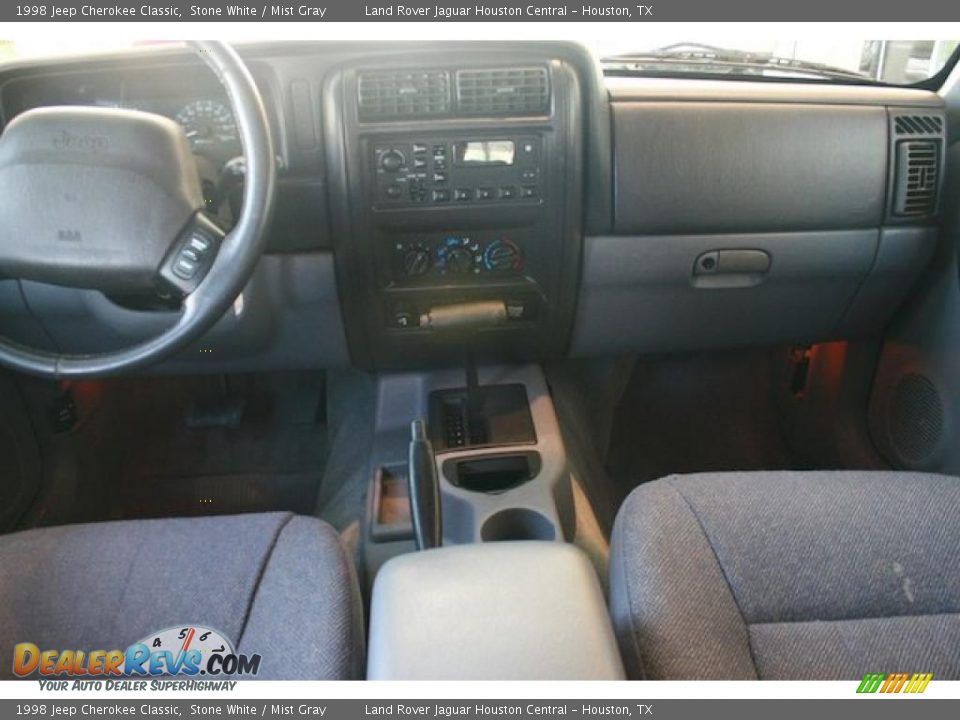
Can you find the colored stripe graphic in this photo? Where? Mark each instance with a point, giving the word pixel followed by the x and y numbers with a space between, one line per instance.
pixel 894 683
pixel 870 683
pixel 918 683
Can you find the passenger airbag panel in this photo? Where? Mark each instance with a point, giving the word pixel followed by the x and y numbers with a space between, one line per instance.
pixel 692 167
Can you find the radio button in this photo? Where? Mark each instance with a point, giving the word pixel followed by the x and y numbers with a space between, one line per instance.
pixel 508 192
pixel 527 192
pixel 439 177
pixel 419 149
pixel 528 175
pixel 529 151
pixel 462 195
pixel 484 194
pixel 441 195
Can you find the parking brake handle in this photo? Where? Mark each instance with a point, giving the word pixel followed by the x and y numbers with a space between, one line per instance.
pixel 424 489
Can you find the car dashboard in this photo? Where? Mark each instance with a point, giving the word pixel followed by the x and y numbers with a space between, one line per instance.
pixel 606 215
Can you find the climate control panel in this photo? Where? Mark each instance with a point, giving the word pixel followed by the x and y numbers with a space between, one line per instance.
pixel 456 256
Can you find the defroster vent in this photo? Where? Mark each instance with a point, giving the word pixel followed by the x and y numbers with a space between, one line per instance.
pixel 404 94
pixel 918 125
pixel 918 172
pixel 503 91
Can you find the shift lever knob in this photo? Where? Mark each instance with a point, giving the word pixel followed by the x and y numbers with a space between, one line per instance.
pixel 424 489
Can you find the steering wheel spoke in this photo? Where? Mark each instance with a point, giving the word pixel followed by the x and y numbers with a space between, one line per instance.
pixel 192 256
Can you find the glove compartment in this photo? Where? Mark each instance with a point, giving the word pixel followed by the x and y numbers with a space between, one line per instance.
pixel 742 223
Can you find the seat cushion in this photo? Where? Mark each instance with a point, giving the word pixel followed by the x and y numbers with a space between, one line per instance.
pixel 788 575
pixel 276 584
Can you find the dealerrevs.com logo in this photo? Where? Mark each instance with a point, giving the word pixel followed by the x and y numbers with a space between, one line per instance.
pixel 185 650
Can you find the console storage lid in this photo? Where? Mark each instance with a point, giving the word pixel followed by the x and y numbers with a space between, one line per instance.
pixel 501 611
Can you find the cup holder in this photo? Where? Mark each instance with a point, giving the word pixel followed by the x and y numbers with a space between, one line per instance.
pixel 517 524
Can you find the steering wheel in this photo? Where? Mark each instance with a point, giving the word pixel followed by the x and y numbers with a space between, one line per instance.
pixel 110 199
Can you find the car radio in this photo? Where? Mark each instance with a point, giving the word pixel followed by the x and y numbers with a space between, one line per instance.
pixel 460 170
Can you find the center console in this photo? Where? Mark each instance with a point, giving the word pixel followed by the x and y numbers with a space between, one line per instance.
pixel 457 207
pixel 460 183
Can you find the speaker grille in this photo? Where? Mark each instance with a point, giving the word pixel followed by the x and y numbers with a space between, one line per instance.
pixel 916 419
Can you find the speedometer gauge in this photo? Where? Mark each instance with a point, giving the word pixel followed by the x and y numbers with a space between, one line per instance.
pixel 210 127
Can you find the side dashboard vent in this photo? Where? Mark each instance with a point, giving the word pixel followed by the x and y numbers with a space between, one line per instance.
pixel 503 91
pixel 404 94
pixel 918 125
pixel 917 179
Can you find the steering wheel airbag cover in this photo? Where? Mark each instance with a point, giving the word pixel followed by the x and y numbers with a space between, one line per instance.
pixel 93 197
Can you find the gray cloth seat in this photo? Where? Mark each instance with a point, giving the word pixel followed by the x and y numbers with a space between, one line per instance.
pixel 275 584
pixel 788 575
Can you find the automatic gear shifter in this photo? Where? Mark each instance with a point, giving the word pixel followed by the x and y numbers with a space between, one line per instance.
pixel 424 489
pixel 465 320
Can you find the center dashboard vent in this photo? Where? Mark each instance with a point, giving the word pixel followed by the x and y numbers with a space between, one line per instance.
pixel 404 94
pixel 503 91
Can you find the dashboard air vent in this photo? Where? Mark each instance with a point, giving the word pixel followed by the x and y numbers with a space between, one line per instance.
pixel 917 178
pixel 404 94
pixel 503 91
pixel 918 124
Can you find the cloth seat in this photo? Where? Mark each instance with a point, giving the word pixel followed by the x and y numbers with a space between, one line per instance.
pixel 275 584
pixel 788 575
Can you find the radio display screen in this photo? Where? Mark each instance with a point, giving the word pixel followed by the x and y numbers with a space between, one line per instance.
pixel 485 152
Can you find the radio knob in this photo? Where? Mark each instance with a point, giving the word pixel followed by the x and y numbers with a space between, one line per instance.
pixel 392 160
pixel 416 262
pixel 459 260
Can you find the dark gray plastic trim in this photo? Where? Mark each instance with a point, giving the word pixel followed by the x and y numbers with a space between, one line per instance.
pixel 734 167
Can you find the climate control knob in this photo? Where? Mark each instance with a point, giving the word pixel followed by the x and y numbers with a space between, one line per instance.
pixel 416 262
pixel 458 255
pixel 502 256
pixel 459 260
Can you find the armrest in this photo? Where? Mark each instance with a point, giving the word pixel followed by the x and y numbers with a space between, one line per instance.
pixel 511 610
